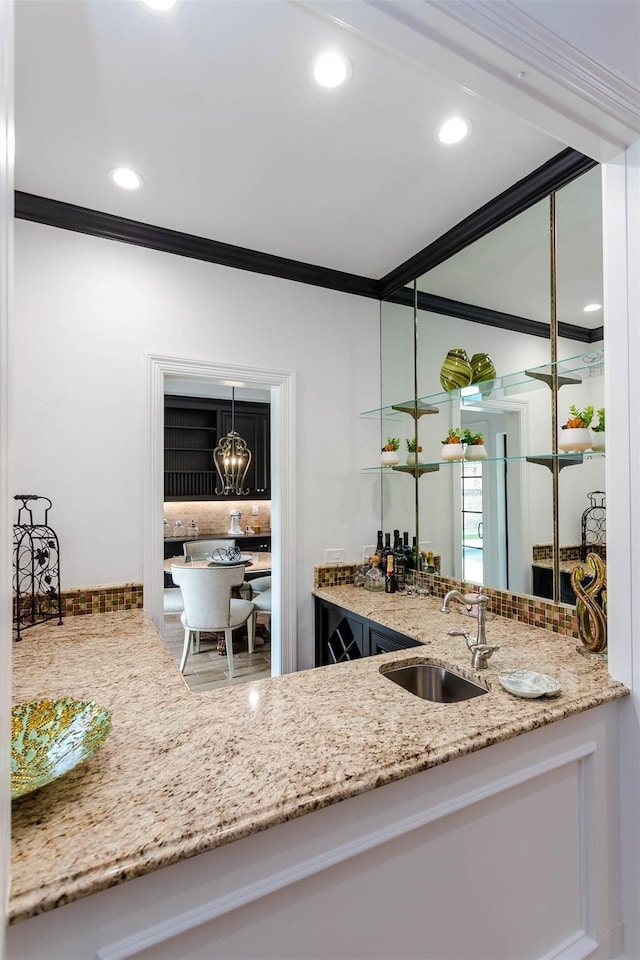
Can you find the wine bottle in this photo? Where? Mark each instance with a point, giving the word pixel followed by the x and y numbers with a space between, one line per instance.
pixel 399 565
pixel 388 549
pixel 390 584
pixel 416 555
pixel 379 547
pixel 408 553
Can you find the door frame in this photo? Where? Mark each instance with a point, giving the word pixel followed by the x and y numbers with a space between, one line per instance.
pixel 283 488
pixel 521 543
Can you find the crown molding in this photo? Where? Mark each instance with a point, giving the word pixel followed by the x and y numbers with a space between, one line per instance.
pixel 432 303
pixel 552 175
pixel 68 216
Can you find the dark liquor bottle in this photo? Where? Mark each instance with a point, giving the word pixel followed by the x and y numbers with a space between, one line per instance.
pixel 399 563
pixel 390 584
pixel 408 553
pixel 416 554
pixel 388 549
pixel 379 548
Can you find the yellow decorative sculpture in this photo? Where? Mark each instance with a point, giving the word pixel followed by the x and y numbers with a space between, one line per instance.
pixel 591 603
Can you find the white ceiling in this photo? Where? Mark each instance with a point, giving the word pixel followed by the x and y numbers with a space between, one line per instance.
pixel 214 106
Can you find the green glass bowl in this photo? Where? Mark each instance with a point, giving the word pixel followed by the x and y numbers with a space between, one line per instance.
pixel 456 370
pixel 51 737
pixel 482 368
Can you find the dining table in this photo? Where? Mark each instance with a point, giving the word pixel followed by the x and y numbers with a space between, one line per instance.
pixel 258 564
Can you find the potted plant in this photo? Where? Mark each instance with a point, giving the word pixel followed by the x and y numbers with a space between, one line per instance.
pixel 475 448
pixel 575 436
pixel 414 451
pixel 452 445
pixel 389 455
pixel 597 432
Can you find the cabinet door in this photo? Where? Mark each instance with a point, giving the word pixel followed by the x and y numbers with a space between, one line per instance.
pixel 339 636
pixel 253 427
pixel 382 642
pixel 190 436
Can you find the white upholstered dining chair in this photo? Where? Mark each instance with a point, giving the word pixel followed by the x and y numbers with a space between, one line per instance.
pixel 208 606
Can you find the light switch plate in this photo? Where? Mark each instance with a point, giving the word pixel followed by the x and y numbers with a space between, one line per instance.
pixel 368 551
pixel 255 511
pixel 334 554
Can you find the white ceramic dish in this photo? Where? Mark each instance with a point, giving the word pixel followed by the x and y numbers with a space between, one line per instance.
pixel 244 558
pixel 528 683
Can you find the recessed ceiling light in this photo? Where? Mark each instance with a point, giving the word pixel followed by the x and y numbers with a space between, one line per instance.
pixel 454 130
pixel 592 307
pixel 160 6
pixel 332 69
pixel 125 178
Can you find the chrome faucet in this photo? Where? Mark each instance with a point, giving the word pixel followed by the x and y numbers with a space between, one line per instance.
pixel 480 649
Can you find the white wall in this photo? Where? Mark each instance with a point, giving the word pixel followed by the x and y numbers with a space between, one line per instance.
pixel 88 309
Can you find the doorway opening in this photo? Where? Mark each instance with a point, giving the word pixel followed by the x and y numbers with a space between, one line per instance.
pixel 162 374
pixel 198 413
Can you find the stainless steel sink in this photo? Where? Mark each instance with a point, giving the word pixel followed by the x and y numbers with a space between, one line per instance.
pixel 431 682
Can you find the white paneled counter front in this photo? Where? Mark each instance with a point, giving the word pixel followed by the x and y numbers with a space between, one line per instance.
pixel 210 824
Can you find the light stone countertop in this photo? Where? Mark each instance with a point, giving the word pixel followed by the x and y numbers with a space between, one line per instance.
pixel 182 773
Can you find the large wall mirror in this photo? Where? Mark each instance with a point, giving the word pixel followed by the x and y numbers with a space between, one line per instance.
pixel 501 521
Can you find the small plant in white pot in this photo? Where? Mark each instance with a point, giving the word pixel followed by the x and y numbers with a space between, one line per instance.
pixel 452 448
pixel 575 435
pixel 597 432
pixel 389 455
pixel 414 451
pixel 475 448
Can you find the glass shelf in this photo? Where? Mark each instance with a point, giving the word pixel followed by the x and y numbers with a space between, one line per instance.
pixel 544 459
pixel 570 371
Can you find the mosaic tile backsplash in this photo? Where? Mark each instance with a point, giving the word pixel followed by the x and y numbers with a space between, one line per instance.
pixel 86 600
pixel 559 618
pixel 544 551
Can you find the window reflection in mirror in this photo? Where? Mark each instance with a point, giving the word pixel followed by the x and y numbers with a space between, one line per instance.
pixel 497 527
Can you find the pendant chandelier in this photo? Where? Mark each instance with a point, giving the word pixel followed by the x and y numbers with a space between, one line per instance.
pixel 231 458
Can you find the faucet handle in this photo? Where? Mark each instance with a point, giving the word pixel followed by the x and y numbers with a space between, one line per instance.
pixel 481 653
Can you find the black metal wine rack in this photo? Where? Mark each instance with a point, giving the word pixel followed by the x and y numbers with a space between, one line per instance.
pixel 36 567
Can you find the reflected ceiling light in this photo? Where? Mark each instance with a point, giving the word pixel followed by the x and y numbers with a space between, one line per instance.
pixel 332 69
pixel 125 178
pixel 592 307
pixel 454 130
pixel 231 459
pixel 160 6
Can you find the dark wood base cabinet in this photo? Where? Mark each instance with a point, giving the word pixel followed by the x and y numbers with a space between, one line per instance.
pixel 543 585
pixel 341 635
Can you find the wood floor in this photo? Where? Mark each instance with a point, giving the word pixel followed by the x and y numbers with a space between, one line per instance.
pixel 208 670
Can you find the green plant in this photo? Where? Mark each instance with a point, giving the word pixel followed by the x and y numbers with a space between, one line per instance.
pixel 392 444
pixel 475 439
pixel 412 445
pixel 579 418
pixel 454 436
pixel 599 427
